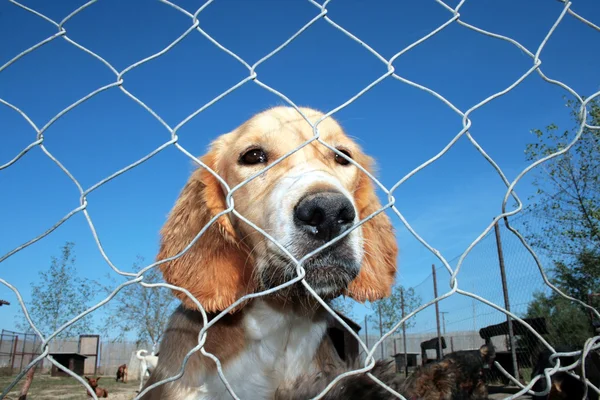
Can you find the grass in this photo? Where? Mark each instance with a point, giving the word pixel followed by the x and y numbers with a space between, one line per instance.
pixel 46 387
pixel 525 374
pixel 52 388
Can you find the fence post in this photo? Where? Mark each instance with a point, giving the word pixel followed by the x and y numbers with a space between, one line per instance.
pixel 444 320
pixel 14 353
pixel 97 356
pixel 511 336
pixel 381 333
pixel 474 318
pixel 404 332
pixel 100 358
pixel 34 349
pixel 1 340
pixel 437 311
pixel 366 333
pixel 23 352
pixel 590 298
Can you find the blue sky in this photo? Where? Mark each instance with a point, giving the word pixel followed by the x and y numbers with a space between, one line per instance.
pixel 449 203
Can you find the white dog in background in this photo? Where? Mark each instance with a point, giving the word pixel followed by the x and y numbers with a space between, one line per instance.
pixel 147 364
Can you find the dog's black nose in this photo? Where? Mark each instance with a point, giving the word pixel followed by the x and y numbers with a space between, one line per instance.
pixel 324 215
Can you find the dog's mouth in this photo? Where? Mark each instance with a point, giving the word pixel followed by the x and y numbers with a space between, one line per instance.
pixel 328 273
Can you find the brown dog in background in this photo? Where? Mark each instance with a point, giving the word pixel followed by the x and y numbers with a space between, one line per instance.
pixel 458 376
pixel 100 392
pixel 122 373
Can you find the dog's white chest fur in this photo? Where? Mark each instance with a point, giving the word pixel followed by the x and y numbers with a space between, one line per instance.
pixel 281 347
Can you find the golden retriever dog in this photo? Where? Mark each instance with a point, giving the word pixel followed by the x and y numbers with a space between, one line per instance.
pixel 305 201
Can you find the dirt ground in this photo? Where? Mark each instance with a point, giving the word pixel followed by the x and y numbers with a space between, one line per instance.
pixel 46 387
pixel 54 388
pixel 499 392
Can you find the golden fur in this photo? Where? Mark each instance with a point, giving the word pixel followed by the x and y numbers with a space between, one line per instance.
pixel 277 334
pixel 217 269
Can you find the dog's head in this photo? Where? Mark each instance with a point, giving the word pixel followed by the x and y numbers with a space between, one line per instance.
pixel 488 354
pixel 93 382
pixel 303 202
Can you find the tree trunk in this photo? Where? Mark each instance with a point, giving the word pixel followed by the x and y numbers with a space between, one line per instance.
pixel 27 383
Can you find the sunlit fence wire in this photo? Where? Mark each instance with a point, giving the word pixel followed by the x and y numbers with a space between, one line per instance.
pixel 463 318
pixel 254 78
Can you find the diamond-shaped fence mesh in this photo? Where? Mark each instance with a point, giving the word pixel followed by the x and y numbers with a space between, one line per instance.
pixel 462 319
pixel 473 301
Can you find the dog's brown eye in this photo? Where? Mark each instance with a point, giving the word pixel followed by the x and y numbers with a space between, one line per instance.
pixel 254 156
pixel 341 160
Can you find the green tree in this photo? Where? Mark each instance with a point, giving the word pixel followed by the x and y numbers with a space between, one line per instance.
pixel 568 187
pixel 391 308
pixel 567 202
pixel 579 278
pixel 59 296
pixel 140 311
pixel 567 322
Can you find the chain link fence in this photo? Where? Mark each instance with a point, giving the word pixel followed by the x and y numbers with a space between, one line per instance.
pixel 480 302
pixel 18 349
pixel 462 319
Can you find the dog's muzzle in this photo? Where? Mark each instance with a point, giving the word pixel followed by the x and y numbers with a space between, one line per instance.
pixel 323 216
pixel 318 218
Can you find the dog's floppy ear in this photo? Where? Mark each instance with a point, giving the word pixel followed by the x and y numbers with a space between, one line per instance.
pixel 377 273
pixel 213 269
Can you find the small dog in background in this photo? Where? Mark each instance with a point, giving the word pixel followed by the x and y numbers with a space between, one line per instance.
pixel 458 376
pixel 122 373
pixel 100 392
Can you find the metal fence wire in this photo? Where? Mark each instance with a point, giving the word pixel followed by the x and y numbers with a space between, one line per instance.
pixel 321 12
